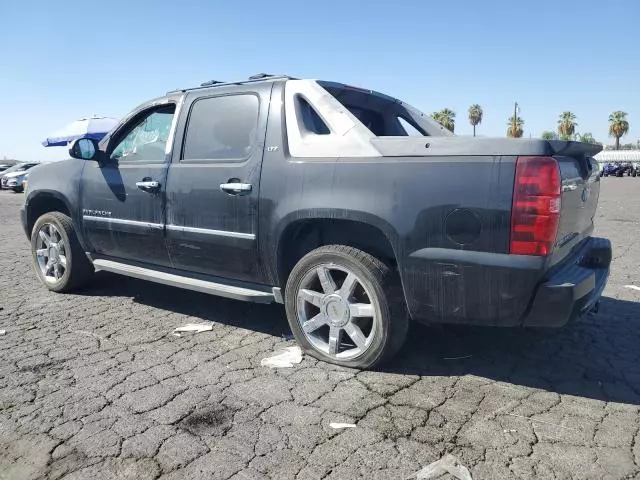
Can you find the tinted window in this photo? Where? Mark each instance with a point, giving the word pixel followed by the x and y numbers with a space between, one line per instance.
pixel 221 128
pixel 147 136
pixel 371 119
pixel 310 119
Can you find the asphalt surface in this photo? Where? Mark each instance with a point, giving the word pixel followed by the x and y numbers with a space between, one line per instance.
pixel 93 385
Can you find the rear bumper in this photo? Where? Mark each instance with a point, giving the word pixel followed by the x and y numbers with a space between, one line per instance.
pixel 574 289
pixel 492 289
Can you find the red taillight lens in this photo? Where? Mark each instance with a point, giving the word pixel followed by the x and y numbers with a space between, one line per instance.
pixel 535 211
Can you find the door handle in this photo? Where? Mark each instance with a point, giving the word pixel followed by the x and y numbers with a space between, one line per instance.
pixel 148 185
pixel 236 188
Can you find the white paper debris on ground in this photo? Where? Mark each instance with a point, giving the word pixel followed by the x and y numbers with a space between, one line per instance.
pixel 3 332
pixel 447 464
pixel 193 327
pixel 284 358
pixel 510 430
pixel 342 425
pixel 633 287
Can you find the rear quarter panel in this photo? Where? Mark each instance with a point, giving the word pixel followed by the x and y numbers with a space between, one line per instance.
pixel 417 202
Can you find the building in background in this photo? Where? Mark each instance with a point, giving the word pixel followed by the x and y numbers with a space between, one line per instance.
pixel 607 156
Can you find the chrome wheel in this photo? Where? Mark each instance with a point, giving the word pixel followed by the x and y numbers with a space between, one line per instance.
pixel 337 321
pixel 51 253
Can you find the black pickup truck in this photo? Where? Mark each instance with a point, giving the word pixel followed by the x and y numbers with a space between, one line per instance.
pixel 354 209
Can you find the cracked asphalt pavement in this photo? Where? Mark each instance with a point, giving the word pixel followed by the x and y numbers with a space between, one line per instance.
pixel 93 385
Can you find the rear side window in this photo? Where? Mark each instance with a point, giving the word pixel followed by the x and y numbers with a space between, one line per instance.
pixel 311 121
pixel 221 128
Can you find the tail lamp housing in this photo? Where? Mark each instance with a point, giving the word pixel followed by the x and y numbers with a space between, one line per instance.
pixel 535 211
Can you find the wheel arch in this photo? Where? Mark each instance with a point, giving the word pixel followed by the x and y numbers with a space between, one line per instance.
pixel 44 201
pixel 307 231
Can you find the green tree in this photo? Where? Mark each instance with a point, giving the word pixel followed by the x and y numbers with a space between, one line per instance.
pixel 618 126
pixel 567 125
pixel 547 135
pixel 586 138
pixel 446 118
pixel 515 129
pixel 475 116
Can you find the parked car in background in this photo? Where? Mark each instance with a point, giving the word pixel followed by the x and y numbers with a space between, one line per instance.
pixel 635 169
pixel 627 168
pixel 17 181
pixel 313 194
pixel 616 169
pixel 608 170
pixel 17 169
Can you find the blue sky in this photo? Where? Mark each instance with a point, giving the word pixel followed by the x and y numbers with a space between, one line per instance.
pixel 60 61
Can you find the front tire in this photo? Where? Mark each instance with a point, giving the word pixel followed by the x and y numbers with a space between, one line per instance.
pixel 58 257
pixel 346 307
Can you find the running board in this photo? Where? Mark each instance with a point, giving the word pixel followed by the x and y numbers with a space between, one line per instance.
pixel 199 285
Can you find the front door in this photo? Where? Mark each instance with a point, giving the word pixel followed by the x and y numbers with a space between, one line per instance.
pixel 123 197
pixel 213 184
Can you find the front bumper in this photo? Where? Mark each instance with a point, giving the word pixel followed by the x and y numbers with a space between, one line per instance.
pixel 574 289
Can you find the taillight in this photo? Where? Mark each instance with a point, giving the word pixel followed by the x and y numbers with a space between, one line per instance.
pixel 535 211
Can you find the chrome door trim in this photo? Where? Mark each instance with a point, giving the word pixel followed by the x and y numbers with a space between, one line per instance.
pixel 207 231
pixel 174 228
pixel 122 221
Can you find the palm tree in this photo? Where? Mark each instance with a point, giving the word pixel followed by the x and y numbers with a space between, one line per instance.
pixel 567 125
pixel 547 135
pixel 475 116
pixel 618 126
pixel 446 118
pixel 518 131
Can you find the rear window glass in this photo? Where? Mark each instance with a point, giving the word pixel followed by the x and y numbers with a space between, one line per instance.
pixel 221 128
pixel 409 129
pixel 371 119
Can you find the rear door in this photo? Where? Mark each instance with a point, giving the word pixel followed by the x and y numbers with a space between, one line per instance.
pixel 213 182
pixel 123 198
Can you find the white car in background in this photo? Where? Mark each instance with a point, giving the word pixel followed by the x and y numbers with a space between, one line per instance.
pixel 15 171
pixel 17 181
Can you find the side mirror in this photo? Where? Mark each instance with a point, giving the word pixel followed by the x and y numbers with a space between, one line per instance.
pixel 84 149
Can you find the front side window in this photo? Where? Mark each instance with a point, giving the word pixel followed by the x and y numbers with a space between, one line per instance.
pixel 221 128
pixel 146 140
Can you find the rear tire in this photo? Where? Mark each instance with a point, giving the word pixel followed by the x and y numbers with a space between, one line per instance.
pixel 346 307
pixel 58 257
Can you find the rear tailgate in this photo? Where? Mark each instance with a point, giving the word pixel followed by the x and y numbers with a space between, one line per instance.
pixel 580 191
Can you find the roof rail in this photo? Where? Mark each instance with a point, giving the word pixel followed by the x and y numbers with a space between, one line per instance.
pixel 210 83
pixel 259 77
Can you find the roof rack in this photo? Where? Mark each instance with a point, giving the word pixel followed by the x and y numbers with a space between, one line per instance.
pixel 258 77
pixel 210 83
